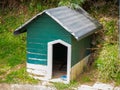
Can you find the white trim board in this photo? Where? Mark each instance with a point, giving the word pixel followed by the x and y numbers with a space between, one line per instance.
pixel 37 69
pixel 50 52
pixel 36 66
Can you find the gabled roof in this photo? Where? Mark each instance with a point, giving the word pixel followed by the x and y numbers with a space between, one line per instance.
pixel 76 22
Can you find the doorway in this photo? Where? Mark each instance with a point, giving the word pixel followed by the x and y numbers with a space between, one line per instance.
pixel 59 60
pixel 59 64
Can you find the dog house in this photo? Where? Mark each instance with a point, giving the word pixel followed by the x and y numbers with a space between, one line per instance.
pixel 57 42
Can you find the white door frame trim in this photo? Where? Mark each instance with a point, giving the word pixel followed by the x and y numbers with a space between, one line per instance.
pixel 50 52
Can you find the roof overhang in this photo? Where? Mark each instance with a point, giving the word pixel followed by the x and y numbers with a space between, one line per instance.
pixel 79 32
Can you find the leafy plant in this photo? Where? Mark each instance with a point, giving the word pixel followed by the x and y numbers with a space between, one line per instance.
pixel 108 63
pixel 71 3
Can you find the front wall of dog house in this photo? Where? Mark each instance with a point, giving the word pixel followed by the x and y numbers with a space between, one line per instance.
pixel 41 31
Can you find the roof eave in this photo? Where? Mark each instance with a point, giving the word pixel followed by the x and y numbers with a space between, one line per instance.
pixel 22 28
pixel 90 33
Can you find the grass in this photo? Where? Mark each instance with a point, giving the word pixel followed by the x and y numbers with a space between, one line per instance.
pixel 108 64
pixel 62 86
pixel 19 76
pixel 85 79
pixel 9 46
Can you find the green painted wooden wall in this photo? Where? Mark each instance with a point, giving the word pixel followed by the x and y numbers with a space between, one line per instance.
pixel 39 32
pixel 80 49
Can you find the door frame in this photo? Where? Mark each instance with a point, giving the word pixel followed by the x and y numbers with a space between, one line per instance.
pixel 50 54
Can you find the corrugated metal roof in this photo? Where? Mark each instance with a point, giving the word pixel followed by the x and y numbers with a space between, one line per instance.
pixel 77 22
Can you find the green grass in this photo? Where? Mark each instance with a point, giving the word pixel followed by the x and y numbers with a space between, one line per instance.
pixel 20 76
pixel 85 79
pixel 62 86
pixel 12 49
pixel 108 64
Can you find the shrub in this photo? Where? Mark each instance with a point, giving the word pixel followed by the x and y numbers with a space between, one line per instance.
pixel 71 3
pixel 108 63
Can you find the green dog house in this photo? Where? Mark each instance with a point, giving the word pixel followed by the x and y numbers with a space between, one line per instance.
pixel 57 43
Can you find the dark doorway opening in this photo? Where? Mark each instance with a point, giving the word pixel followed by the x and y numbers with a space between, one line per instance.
pixel 59 60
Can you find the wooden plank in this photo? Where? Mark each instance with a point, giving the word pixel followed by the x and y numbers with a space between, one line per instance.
pixel 36 46
pixel 35 50
pixel 31 55
pixel 38 62
pixel 37 72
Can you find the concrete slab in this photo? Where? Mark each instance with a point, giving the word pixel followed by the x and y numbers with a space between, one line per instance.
pixel 24 87
pixel 86 87
pixel 31 87
pixel 117 88
pixel 103 86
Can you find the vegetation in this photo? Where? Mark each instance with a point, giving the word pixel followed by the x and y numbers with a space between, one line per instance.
pixel 62 86
pixel 71 3
pixel 108 64
pixel 19 76
pixel 13 13
pixel 107 61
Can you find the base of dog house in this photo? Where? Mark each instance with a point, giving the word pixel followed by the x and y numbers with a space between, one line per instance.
pixel 60 75
pixel 61 79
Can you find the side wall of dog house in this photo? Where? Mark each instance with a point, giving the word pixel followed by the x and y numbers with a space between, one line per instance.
pixel 80 55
